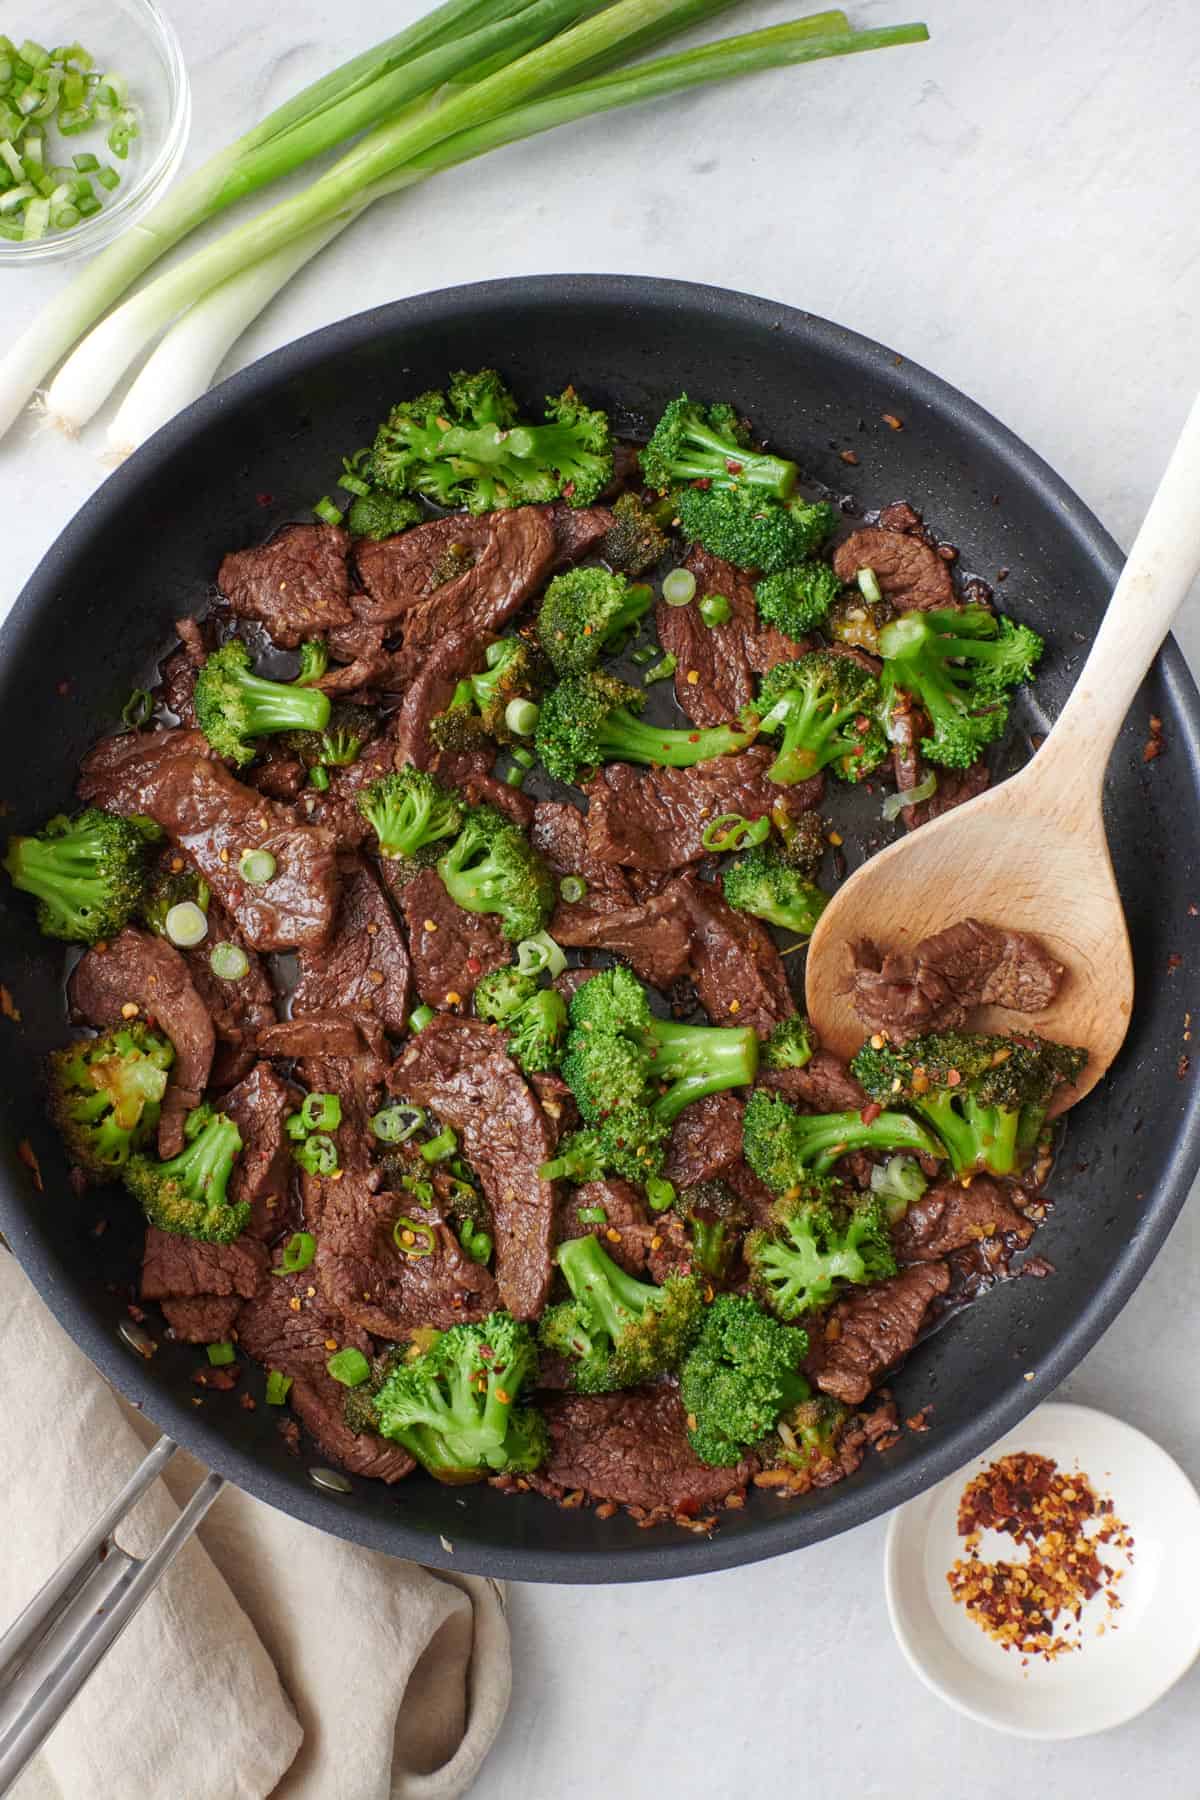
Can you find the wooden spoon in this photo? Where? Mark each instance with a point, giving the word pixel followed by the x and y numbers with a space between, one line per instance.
pixel 1031 854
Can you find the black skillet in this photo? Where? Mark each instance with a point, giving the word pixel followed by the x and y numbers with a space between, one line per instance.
pixel 97 614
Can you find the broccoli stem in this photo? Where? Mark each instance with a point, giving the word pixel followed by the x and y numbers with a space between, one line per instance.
pixel 64 872
pixel 278 706
pixel 713 454
pixel 699 1060
pixel 807 730
pixel 624 738
pixel 827 1136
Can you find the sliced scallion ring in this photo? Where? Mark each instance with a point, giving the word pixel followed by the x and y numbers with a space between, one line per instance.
pixel 679 587
pixel 186 925
pixel 228 962
pixel 256 867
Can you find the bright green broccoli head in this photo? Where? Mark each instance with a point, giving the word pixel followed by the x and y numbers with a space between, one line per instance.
pixel 314 660
pixel 960 664
pixel 635 540
pixel 709 443
pixel 986 1097
pixel 234 706
pixel 492 868
pixel 619 1055
pixel 617 1331
pixel 503 992
pixel 187 1196
pixel 378 515
pixel 87 874
pixel 630 1142
pixel 408 809
pixel 481 398
pixel 171 883
pixel 741 1374
pixel 761 882
pixel 584 613
pixel 105 1096
pixel 454 1404
pixel 533 1019
pixel 590 719
pixel 822 1235
pixel 797 599
pixel 714 1216
pixel 785 1148
pixel 478 710
pixel 806 1435
pixel 790 1045
pixel 825 708
pixel 749 529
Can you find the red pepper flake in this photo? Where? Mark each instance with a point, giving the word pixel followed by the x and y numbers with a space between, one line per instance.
pixel 870 1113
pixel 1154 745
pixel 734 468
pixel 8 1007
pixel 264 499
pixel 28 1156
pixel 1181 1069
pixel 849 456
pixel 474 966
pixel 892 422
pixel 62 689
pixel 703 482
pixel 1173 962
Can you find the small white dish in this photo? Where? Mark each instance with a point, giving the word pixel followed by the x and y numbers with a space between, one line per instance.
pixel 1146 1646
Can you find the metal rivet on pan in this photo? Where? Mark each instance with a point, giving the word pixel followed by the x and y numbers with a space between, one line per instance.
pixel 332 1480
pixel 135 1337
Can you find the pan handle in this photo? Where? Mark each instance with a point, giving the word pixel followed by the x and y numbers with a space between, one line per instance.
pixel 69 1627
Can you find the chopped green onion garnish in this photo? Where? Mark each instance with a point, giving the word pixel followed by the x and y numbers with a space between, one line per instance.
pixel 540 952
pixel 659 1193
pixel 279 1387
pixel 256 867
pixel 521 716
pixel 441 1147
pixel 868 586
pixel 220 1354
pixel 514 777
pixel 185 924
pixel 572 888
pixel 325 509
pixel 85 162
pixel 397 1123
pixel 419 1018
pixel 350 1367
pixel 523 757
pixel 422 1191
pixel 298 1253
pixel 645 654
pixel 661 670
pixel 317 1155
pixel 318 777
pixel 476 1244
pixel 413 1238
pixel 678 587
pixel 137 709
pixel 714 609
pixel 734 832
pixel 353 485
pixel 295 1128
pixel 592 1215
pixel 321 1112
pixel 108 176
pixel 228 962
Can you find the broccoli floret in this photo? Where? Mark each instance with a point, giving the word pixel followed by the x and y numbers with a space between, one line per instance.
pixel 986 1097
pixel 515 671
pixel 827 709
pixel 708 443
pixel 741 1374
pixel 635 540
pixel 590 719
pixel 187 1196
pixel 584 613
pixel 821 1234
pixel 630 1142
pixel 752 531
pixel 349 728
pixel 467 448
pixel 761 882
pixel 803 840
pixel 170 886
pixel 378 516
pixel 105 1096
pixel 87 873
pixel 492 868
pixel 453 1405
pixel 960 664
pixel 790 1044
pixel 234 705
pixel 784 1147
pixel 618 1054
pixel 797 599
pixel 806 1435
pixel 617 1331
pixel 314 660
pixel 533 1019
pixel 714 1217
pixel 408 810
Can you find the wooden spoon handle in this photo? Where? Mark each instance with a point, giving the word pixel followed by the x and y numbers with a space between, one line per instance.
pixel 1161 568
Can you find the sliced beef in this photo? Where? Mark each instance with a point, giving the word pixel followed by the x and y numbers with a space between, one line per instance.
pixel 950 1216
pixel 183 1268
pixel 632 1448
pixel 326 1037
pixel 277 774
pixel 716 665
pixel 936 985
pixel 365 965
pixel 823 1085
pixel 367 1280
pixel 459 1068
pixel 140 969
pixel 912 576
pixel 204 1320
pixel 871 1332
pixel 290 1328
pixel 654 938
pixel 626 1228
pixel 177 672
pixel 559 834
pixel 335 809
pixel 954 786
pixel 120 771
pixel 429 693
pixel 451 949
pixel 753 1193
pixel 706 1140
pixel 479 788
pixel 297 585
pixel 239 1009
pixel 737 971
pixel 578 530
pixel 262 1174
pixel 654 819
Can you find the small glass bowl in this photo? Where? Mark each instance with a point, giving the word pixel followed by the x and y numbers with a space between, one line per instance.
pixel 132 38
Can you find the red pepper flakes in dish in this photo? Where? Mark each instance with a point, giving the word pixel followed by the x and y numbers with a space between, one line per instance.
pixel 1036 1607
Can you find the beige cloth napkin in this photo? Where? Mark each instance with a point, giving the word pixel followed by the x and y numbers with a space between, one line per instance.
pixel 272 1660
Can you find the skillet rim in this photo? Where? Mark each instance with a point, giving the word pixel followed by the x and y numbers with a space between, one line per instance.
pixel 939 1455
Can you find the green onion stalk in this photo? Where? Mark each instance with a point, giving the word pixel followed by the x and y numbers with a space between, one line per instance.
pixel 532 94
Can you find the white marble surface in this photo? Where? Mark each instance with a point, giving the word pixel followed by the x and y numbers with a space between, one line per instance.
pixel 1014 206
